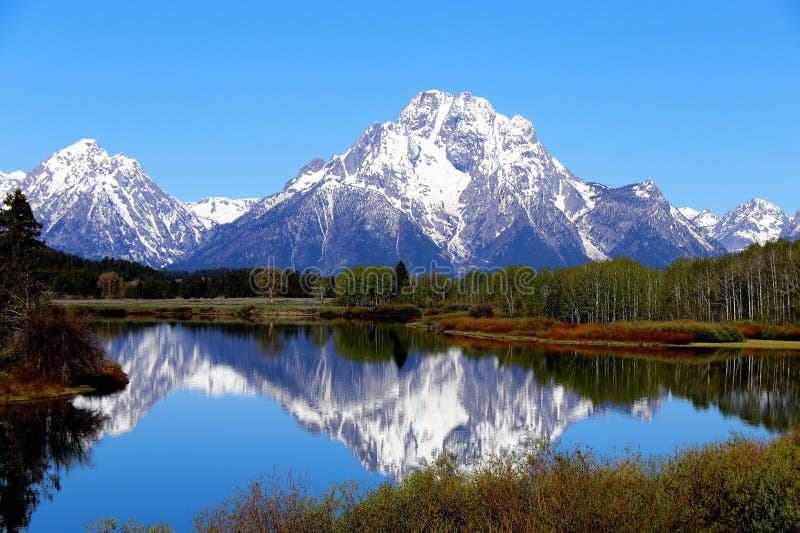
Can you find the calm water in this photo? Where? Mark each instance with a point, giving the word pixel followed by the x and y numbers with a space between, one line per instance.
pixel 211 407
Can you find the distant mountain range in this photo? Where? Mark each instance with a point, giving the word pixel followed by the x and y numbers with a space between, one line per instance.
pixel 451 181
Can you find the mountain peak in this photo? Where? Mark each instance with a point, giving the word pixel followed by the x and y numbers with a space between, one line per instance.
pixel 215 210
pixel 82 146
pixel 758 203
pixel 647 190
pixel 755 221
pixel 84 150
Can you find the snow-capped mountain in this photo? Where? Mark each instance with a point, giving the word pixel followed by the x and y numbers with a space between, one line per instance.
pixel 94 205
pixel 637 221
pixel 704 220
pixel 451 181
pixel 792 229
pixel 756 221
pixel 215 210
pixel 10 182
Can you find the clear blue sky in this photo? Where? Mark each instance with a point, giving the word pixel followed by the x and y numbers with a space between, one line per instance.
pixel 233 98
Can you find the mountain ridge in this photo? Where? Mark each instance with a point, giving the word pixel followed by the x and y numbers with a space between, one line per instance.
pixel 450 183
pixel 477 184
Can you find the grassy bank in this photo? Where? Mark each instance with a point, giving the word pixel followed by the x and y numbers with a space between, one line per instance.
pixel 681 332
pixel 51 352
pixel 735 485
pixel 180 308
pixel 25 386
pixel 248 308
pixel 458 322
pixel 654 334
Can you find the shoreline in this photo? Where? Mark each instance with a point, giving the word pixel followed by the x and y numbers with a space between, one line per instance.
pixel 47 394
pixel 293 309
pixel 14 391
pixel 791 346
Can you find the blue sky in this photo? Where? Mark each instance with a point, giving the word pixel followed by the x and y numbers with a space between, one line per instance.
pixel 233 98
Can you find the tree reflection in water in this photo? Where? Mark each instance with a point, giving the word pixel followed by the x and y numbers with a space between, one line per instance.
pixel 40 442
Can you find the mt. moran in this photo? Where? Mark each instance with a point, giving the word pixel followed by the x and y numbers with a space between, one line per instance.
pixel 451 182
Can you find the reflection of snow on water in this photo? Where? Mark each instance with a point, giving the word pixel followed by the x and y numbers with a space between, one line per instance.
pixel 392 419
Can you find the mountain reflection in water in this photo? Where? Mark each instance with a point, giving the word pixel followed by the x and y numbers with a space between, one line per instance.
pixel 397 396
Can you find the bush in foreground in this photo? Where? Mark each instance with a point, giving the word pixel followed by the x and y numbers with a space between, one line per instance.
pixel 734 485
pixel 53 343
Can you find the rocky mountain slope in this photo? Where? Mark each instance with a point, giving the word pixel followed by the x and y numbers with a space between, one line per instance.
pixel 455 182
pixel 704 220
pixel 451 183
pixel 11 181
pixel 94 204
pixel 215 210
pixel 792 229
pixel 756 221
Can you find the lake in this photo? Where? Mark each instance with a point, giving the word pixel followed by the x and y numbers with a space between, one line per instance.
pixel 211 407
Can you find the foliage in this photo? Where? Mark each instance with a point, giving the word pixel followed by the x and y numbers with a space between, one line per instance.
pixel 669 332
pixel 733 485
pixel 481 311
pixel 51 341
pixel 761 283
pixel 19 232
pixel 38 340
pixel 111 525
pixel 111 285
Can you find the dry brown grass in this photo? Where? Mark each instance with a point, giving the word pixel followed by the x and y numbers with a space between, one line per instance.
pixel 736 485
pixel 673 333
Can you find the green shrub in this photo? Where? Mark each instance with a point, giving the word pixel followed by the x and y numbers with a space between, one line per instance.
pixel 739 484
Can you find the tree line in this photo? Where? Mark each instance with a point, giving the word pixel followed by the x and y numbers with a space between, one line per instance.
pixel 760 283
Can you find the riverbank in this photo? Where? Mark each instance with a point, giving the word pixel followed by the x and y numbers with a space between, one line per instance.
pixel 202 308
pixel 747 344
pixel 643 334
pixel 246 308
pixel 19 387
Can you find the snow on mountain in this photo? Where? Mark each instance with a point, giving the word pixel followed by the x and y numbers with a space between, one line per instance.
pixel 704 220
pixel 215 210
pixel 469 186
pixel 792 229
pixel 95 205
pixel 756 221
pixel 394 419
pixel 10 182
pixel 637 221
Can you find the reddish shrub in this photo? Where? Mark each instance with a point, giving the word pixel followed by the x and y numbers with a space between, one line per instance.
pixel 787 332
pixel 480 325
pixel 751 331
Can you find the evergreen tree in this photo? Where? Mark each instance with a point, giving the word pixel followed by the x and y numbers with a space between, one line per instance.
pixel 19 232
pixel 401 275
